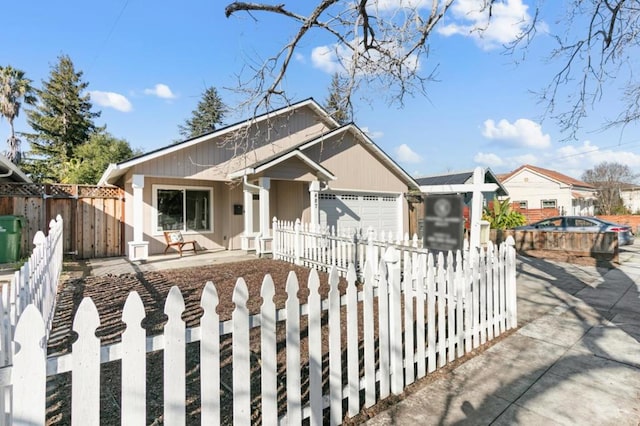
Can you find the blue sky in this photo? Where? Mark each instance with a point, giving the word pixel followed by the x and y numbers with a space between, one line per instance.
pixel 147 63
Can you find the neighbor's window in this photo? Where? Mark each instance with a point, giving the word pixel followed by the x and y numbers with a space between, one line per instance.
pixel 184 209
pixel 549 204
pixel 522 204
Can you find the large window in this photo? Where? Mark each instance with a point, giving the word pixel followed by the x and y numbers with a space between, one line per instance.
pixel 184 209
pixel 548 204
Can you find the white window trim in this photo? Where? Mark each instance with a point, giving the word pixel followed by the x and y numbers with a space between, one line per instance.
pixel 154 206
pixel 555 202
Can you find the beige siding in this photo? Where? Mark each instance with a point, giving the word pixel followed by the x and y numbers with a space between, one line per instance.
pixel 355 167
pixel 291 169
pixel 214 159
pixel 227 227
pixel 291 201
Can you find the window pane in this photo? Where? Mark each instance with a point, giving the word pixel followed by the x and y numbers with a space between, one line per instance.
pixel 170 209
pixel 198 210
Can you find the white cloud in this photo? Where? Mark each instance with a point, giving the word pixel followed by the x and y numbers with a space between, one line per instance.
pixel 509 19
pixel 586 156
pixel 326 59
pixel 488 159
pixel 337 59
pixel 160 90
pixel 522 133
pixel 396 4
pixel 404 154
pixel 111 100
pixel 373 134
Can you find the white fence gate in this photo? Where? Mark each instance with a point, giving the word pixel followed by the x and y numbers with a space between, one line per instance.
pixel 450 307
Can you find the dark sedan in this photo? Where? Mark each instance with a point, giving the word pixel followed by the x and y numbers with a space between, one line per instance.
pixel 581 224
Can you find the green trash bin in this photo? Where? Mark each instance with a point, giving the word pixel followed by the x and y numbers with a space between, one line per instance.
pixel 10 238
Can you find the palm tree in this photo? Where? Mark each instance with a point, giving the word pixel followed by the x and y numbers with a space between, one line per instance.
pixel 14 89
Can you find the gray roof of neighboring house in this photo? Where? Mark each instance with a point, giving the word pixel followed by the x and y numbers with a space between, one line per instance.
pixel 461 178
pixel 11 173
pixel 450 179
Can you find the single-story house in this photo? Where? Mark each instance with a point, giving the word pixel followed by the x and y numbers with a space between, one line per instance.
pixel 533 187
pixel 9 172
pixel 630 194
pixel 223 189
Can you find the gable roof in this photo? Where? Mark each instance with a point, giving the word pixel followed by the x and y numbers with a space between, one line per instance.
pixel 299 149
pixel 11 172
pixel 461 178
pixel 551 174
pixel 114 171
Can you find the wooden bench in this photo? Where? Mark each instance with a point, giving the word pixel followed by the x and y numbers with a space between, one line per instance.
pixel 174 238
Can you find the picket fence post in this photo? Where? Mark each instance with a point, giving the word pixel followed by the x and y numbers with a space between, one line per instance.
pixel 241 362
pixel 297 244
pixel 29 370
pixel 335 349
pixel 174 360
pixel 134 362
pixel 268 352
pixel 85 375
pixel 210 356
pixel 292 307
pixel 392 258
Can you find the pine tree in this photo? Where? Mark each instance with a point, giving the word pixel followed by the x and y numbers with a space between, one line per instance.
pixel 15 88
pixel 62 121
pixel 336 104
pixel 210 111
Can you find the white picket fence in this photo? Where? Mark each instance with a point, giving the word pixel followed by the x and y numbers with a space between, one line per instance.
pixel 36 282
pixel 410 323
pixel 317 247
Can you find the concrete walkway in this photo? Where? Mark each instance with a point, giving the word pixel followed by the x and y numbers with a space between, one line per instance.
pixel 574 361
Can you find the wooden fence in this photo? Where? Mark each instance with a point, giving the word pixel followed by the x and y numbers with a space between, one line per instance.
pixel 36 282
pixel 94 215
pixel 361 345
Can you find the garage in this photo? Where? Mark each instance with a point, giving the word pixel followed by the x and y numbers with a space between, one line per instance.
pixel 360 211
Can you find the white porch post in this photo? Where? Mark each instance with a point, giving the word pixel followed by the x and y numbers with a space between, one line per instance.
pixel 314 188
pixel 265 220
pixel 248 219
pixel 476 208
pixel 138 248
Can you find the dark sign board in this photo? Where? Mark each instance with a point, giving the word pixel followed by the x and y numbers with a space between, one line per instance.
pixel 443 222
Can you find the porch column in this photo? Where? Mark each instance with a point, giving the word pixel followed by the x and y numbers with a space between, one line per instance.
pixel 138 248
pixel 314 188
pixel 248 219
pixel 265 219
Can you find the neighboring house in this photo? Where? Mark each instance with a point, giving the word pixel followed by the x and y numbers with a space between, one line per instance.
pixel 9 172
pixel 532 187
pixel 300 164
pixel 461 183
pixel 630 195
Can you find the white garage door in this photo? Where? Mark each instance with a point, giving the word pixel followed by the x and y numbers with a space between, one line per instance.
pixel 359 211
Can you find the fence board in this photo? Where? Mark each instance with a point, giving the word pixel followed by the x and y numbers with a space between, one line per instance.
pixel 294 397
pixel 353 365
pixel 134 362
pixel 174 360
pixel 85 394
pixel 210 357
pixel 335 349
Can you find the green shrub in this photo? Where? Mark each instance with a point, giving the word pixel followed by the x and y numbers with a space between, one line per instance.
pixel 500 215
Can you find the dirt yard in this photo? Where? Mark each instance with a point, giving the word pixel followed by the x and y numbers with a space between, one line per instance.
pixel 109 294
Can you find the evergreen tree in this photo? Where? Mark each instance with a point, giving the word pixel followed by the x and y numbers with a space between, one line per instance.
pixel 211 111
pixel 336 103
pixel 14 89
pixel 61 122
pixel 93 157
